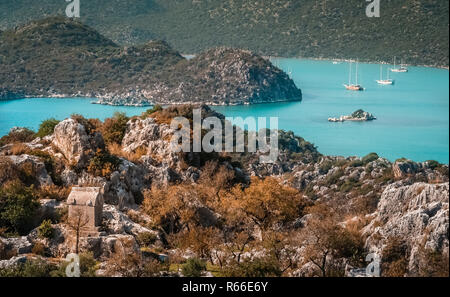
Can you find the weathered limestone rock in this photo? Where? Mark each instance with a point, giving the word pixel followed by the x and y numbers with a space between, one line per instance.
pixel 17 245
pixel 37 166
pixel 417 213
pixel 14 261
pixel 103 247
pixel 404 168
pixel 117 222
pixel 72 140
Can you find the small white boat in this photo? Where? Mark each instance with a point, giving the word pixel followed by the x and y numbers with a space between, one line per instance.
pixel 401 69
pixel 382 81
pixel 353 86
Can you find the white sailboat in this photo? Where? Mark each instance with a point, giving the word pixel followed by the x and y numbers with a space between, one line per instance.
pixel 402 68
pixel 382 81
pixel 350 86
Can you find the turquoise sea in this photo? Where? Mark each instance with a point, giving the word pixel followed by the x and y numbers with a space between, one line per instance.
pixel 413 114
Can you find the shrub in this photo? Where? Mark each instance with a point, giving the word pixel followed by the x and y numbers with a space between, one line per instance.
pixel 91 125
pixel 334 178
pixel 266 202
pixel 17 135
pixel 152 110
pixel 356 163
pixel 394 260
pixel 18 206
pixel 45 230
pixel 47 127
pixel 38 249
pixel 34 268
pixel 19 149
pixel 103 164
pixel 146 238
pixel 325 167
pixel 114 128
pixel 348 186
pixel 370 158
pixel 433 263
pixel 87 266
pixel 193 267
pixel 135 157
pixel 53 192
pixel 433 164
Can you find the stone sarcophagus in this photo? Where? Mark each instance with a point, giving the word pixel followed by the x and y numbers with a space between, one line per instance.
pixel 86 207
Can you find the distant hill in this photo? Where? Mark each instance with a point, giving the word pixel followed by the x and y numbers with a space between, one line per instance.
pixel 58 56
pixel 415 30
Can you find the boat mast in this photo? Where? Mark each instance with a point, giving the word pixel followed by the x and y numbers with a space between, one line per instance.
pixel 350 74
pixel 381 71
pixel 356 72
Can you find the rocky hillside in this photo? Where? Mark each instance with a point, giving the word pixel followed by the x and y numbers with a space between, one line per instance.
pixel 416 30
pixel 168 213
pixel 60 57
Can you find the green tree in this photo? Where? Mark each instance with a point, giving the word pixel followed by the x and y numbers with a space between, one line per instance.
pixel 47 127
pixel 45 230
pixel 114 128
pixel 18 205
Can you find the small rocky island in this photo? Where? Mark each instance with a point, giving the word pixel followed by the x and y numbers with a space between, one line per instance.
pixel 60 57
pixel 358 116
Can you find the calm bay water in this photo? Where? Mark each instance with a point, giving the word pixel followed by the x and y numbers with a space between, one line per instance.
pixel 413 115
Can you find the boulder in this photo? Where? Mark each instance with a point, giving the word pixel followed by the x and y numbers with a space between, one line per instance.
pixel 103 247
pixel 402 169
pixel 76 145
pixel 38 168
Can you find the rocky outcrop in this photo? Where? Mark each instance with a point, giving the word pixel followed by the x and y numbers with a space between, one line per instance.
pixel 16 245
pixel 37 167
pixel 425 170
pixel 417 213
pixel 117 222
pixel 76 145
pixel 120 188
pixel 404 168
pixel 160 161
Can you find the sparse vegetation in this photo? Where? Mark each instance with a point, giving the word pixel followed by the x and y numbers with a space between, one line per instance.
pixel 193 267
pixel 45 230
pixel 113 129
pixel 47 127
